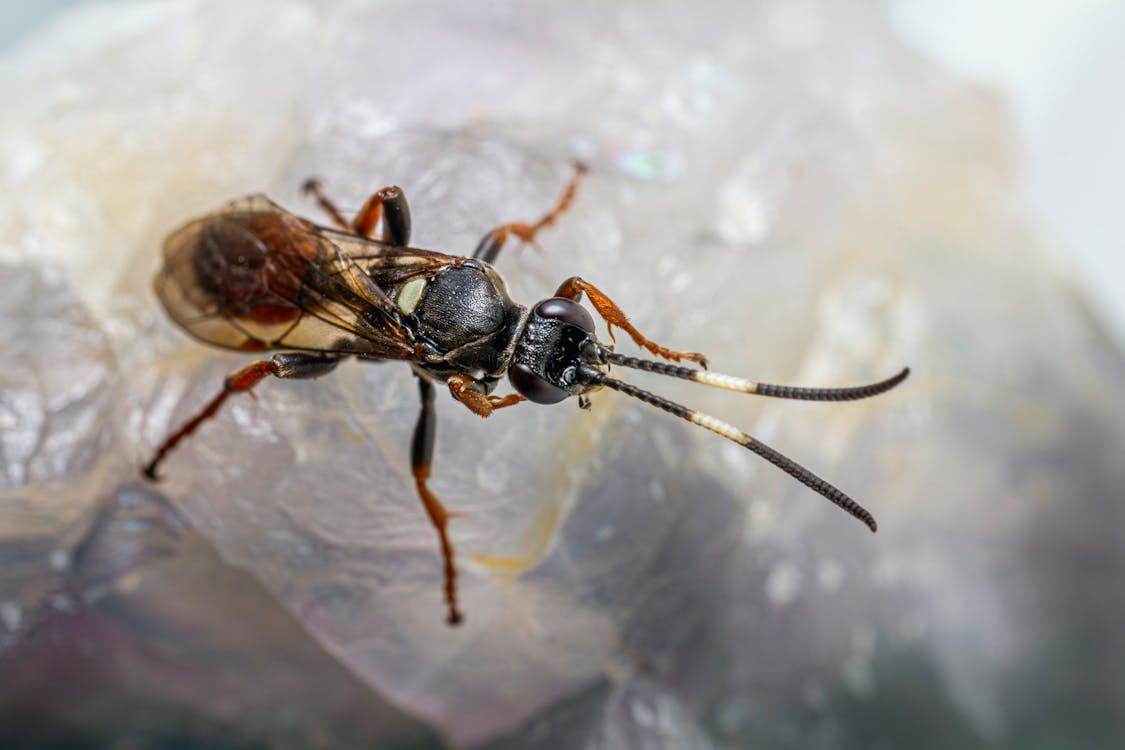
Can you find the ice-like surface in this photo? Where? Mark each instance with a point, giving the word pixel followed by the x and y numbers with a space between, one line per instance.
pixel 113 660
pixel 780 185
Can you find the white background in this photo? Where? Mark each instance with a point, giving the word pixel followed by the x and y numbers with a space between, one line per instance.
pixel 1061 70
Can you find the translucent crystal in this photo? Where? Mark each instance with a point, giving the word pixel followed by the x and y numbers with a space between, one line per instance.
pixel 780 185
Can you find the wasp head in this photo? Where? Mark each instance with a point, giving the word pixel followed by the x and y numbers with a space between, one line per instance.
pixel 557 355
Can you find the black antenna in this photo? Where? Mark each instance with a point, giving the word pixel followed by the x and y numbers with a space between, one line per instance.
pixel 742 385
pixel 732 433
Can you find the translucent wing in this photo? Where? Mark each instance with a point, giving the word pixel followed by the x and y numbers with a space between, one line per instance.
pixel 388 265
pixel 253 276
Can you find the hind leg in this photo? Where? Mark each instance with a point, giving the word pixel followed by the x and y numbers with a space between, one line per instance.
pixel 299 365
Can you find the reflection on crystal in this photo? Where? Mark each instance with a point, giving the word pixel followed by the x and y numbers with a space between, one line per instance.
pixel 646 165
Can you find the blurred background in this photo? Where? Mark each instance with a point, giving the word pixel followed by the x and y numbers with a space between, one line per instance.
pixel 1051 65
pixel 811 192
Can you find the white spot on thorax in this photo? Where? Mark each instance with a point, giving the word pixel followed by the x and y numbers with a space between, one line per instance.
pixel 411 294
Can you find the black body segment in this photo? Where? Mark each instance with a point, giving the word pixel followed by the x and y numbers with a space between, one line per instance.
pixel 425 429
pixel 396 217
pixel 467 324
pixel 545 362
pixel 489 247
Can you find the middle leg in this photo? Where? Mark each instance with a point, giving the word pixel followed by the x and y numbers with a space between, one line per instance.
pixel 421 459
pixel 491 244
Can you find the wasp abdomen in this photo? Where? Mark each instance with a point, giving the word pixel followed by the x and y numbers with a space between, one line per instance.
pixel 237 262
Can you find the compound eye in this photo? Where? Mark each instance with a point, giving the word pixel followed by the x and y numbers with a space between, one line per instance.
pixel 566 310
pixel 534 388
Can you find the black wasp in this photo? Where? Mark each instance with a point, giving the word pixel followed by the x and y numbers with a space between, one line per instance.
pixel 254 277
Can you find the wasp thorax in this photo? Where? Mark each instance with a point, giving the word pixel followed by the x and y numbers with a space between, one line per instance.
pixel 556 344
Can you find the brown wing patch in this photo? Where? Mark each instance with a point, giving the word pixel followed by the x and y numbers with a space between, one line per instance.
pixel 255 277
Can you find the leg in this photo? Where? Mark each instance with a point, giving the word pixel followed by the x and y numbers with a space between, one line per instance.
pixel 389 204
pixel 289 365
pixel 461 386
pixel 615 316
pixel 492 242
pixel 313 187
pixel 421 459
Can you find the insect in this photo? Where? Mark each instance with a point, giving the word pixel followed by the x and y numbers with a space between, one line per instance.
pixel 253 277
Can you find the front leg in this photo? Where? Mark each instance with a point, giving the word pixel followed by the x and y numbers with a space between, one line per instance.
pixel 613 315
pixel 464 390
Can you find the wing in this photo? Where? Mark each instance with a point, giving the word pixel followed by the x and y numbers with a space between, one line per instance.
pixel 254 277
pixel 389 266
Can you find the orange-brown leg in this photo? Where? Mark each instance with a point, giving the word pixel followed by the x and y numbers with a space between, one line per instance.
pixel 421 459
pixel 286 365
pixel 461 386
pixel 615 316
pixel 313 186
pixel 388 204
pixel 525 232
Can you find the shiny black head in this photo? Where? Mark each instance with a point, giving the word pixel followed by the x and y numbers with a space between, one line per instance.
pixel 556 353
